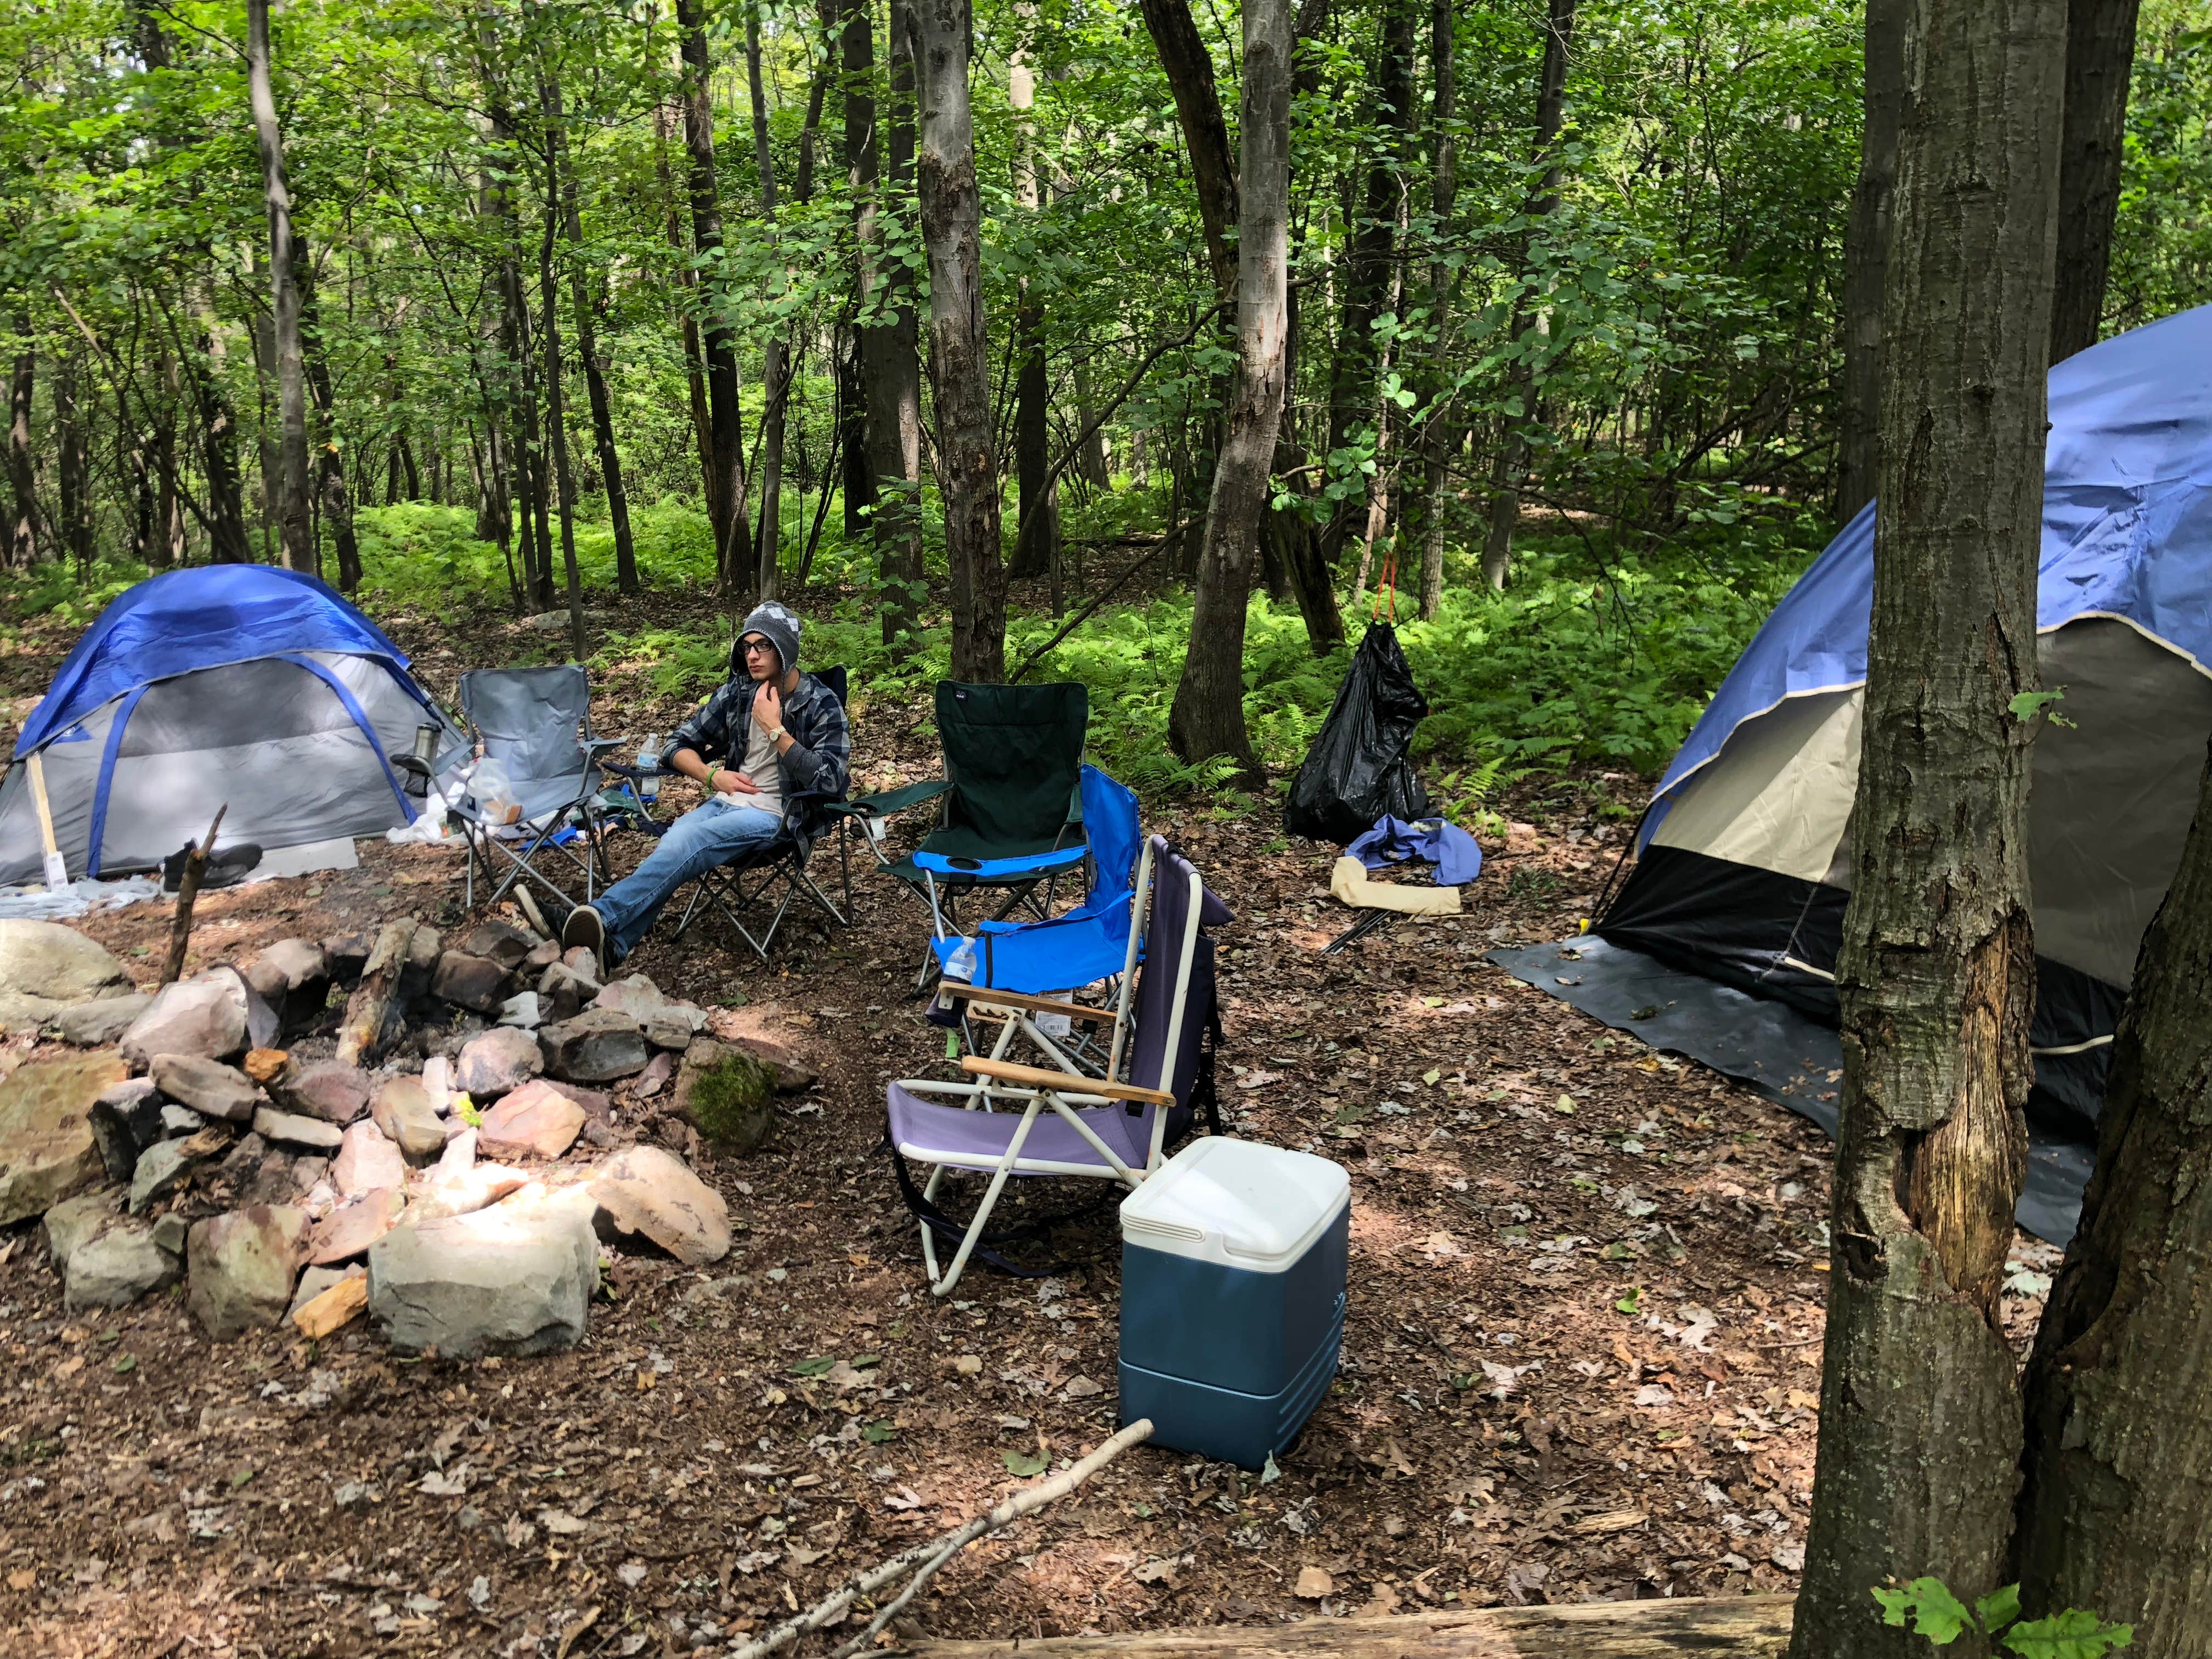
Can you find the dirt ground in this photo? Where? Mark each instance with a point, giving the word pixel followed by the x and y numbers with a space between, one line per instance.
pixel 1581 1360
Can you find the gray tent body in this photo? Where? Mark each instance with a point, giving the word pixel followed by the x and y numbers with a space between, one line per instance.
pixel 269 739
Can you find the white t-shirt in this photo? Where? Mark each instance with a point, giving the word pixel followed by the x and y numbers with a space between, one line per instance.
pixel 764 767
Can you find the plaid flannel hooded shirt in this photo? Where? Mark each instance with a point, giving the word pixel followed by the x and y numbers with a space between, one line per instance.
pixel 815 769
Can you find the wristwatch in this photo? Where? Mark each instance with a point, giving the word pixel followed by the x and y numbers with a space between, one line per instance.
pixel 777 734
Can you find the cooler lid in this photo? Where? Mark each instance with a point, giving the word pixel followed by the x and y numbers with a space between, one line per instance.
pixel 1237 1203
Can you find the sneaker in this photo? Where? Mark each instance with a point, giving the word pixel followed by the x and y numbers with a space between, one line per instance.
pixel 584 928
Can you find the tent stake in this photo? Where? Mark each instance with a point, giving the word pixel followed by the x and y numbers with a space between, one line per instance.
pixel 188 891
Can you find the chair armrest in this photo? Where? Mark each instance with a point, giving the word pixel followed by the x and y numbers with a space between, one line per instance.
pixel 890 801
pixel 595 747
pixel 1037 1078
pixel 954 989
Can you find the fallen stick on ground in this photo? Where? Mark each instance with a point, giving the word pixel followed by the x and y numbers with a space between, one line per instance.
pixel 188 893
pixel 361 1034
pixel 924 1560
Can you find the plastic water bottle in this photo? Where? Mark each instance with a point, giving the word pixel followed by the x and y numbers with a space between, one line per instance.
pixel 648 766
pixel 961 964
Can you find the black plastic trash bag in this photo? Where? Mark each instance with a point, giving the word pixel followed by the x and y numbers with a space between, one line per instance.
pixel 1356 769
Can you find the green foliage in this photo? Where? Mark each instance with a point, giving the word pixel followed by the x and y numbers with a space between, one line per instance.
pixel 1934 1612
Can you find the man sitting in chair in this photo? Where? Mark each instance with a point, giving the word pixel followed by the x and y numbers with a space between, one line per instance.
pixel 771 747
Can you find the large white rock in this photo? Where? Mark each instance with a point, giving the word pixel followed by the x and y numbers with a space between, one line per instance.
pixel 511 1279
pixel 45 968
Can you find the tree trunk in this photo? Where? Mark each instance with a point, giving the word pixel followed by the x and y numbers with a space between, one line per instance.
pixel 1919 1454
pixel 557 423
pixel 2100 55
pixel 295 532
pixel 24 548
pixel 890 358
pixel 1440 427
pixel 1207 717
pixel 1189 69
pixel 2119 1452
pixel 1368 261
pixel 775 373
pixel 718 345
pixel 856 482
pixel 73 474
pixel 226 505
pixel 959 360
pixel 1866 254
pixel 595 387
pixel 1513 454
pixel 687 283
pixel 1036 541
pixel 314 354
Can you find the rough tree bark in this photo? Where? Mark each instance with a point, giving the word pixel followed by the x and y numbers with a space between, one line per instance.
pixel 2101 55
pixel 2119 1453
pixel 73 469
pixel 295 531
pixel 1207 717
pixel 24 541
pixel 1919 1450
pixel 595 382
pixel 959 359
pixel 725 482
pixel 1189 69
pixel 1369 262
pixel 556 420
pixel 686 305
pixel 887 412
pixel 1513 453
pixel 1037 539
pixel 1439 432
pixel 1866 254
pixel 775 373
pixel 329 457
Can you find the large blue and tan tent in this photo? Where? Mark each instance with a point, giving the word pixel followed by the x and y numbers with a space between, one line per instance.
pixel 1743 860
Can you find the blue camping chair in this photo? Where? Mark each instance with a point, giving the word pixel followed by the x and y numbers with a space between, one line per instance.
pixel 1096 941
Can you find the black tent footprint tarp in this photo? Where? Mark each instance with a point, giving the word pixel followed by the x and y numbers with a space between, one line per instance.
pixel 1767 1045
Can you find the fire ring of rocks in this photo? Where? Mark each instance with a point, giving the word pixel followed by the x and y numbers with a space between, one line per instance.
pixel 447 1147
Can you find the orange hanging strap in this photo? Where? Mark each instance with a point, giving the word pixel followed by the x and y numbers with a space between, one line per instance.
pixel 1386 585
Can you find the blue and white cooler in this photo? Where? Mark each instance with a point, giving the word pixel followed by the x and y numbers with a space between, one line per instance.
pixel 1233 1297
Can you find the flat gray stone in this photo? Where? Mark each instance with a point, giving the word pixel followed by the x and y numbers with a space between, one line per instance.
pixel 402 1109
pixel 125 1121
pixel 208 1086
pixel 204 1015
pixel 286 966
pixel 117 1267
pixel 292 1129
pixel 598 1046
pixel 47 968
pixel 503 943
pixel 471 981
pixel 501 1280
pixel 162 1169
pixel 95 1024
pixel 240 1265
pixel 178 1121
pixel 76 1221
pixel 337 1094
pixel 496 1061
pixel 47 1151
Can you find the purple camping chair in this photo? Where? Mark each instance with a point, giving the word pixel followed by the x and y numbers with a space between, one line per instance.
pixel 1029 1121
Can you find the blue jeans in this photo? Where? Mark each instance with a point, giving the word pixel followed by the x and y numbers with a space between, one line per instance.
pixel 706 836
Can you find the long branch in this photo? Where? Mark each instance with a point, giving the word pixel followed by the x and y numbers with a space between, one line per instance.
pixel 1104 594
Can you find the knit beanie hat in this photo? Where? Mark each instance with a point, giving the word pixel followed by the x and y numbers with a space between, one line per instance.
pixel 781 628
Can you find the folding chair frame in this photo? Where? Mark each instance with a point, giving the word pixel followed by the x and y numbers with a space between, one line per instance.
pixel 731 889
pixel 1031 1087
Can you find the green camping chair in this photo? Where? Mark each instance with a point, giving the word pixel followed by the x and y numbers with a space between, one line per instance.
pixel 1010 812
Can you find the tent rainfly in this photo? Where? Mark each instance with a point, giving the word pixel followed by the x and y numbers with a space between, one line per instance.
pixel 234 685
pixel 1744 862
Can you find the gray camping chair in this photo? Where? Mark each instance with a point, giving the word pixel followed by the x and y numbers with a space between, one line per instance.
pixel 1019 1121
pixel 537 723
pixel 733 888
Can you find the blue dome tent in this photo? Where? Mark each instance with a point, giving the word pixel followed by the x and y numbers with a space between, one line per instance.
pixel 240 686
pixel 1721 941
